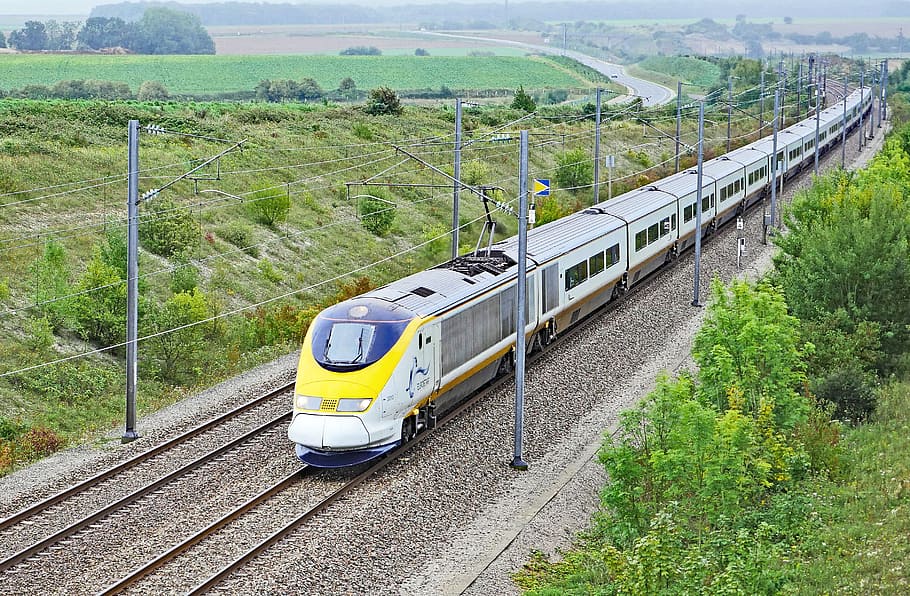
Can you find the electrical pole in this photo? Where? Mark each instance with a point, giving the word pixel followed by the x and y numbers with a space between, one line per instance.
pixel 517 462
pixel 457 172
pixel 698 196
pixel 729 109
pixel 761 107
pixel 782 88
pixel 843 130
pixel 132 282
pixel 884 103
pixel 799 85
pixel 774 159
pixel 818 114
pixel 862 81
pixel 678 120
pixel 597 150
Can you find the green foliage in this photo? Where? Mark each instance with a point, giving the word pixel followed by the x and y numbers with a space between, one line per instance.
pixel 177 350
pixel 847 253
pixel 40 334
pixel 152 91
pixel 361 51
pixel 166 229
pixel 185 277
pixel 99 309
pixel 240 235
pixel 550 209
pixel 362 131
pixel 377 214
pixel 383 100
pixel 269 206
pixel 523 101
pixel 749 342
pixel 115 252
pixel 574 170
pixel 52 276
pixel 475 172
pixel 268 272
pixel 691 70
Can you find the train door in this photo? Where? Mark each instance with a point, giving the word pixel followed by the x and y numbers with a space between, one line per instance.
pixel 428 355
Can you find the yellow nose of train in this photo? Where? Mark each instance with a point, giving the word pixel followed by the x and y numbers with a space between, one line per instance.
pixel 346 362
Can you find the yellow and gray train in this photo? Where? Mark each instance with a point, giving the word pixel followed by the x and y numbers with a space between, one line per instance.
pixel 374 369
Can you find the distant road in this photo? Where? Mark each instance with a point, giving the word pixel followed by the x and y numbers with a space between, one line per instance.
pixel 652 93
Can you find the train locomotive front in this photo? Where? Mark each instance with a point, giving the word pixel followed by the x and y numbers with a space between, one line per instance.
pixel 361 374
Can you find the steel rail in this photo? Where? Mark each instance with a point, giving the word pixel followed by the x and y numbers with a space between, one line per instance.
pixel 136 495
pixel 138 459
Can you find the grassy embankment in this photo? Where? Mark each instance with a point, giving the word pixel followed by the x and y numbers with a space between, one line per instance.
pixel 62 193
pixel 782 465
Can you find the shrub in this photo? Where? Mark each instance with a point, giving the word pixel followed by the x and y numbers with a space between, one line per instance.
pixel 269 206
pixel 268 271
pixel 574 170
pixel 52 283
pixel 166 229
pixel 383 100
pixel 421 52
pixel 99 311
pixel 377 215
pixel 185 276
pixel 362 131
pixel 152 91
pixel 176 353
pixel 523 101
pixel 361 51
pixel 240 235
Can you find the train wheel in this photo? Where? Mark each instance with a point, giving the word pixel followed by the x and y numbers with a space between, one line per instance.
pixel 408 428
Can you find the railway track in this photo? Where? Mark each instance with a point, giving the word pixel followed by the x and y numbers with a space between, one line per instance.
pixel 102 494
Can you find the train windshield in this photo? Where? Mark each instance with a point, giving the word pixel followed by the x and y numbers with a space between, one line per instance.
pixel 357 333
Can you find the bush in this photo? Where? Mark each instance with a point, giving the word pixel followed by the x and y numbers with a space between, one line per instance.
pixel 383 100
pixel 523 101
pixel 377 215
pixel 152 91
pixel 99 311
pixel 269 206
pixel 241 236
pixel 166 229
pixel 52 283
pixel 362 131
pixel 361 51
pixel 176 353
pixel 185 277
pixel 574 170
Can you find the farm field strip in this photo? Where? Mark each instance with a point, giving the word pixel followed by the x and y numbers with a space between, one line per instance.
pixel 214 74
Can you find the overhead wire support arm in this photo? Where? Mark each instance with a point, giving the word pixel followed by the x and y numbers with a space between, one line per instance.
pixel 663 133
pixel 189 174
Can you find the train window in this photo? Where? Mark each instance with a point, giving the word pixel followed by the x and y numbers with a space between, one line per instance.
pixel 576 274
pixel 653 233
pixel 641 240
pixel 673 222
pixel 612 255
pixel 706 203
pixel 347 337
pixel 596 264
pixel 665 226
pixel 688 213
pixel 420 341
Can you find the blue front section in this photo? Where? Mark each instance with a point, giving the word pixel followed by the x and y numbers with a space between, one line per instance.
pixel 341 459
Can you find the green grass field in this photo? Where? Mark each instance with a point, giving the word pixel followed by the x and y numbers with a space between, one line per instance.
pixel 217 74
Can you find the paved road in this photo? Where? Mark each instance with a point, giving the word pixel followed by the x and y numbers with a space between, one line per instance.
pixel 652 93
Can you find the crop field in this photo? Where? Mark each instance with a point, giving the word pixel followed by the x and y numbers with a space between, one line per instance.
pixel 216 74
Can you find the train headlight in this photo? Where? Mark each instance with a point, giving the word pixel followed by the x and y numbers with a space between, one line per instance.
pixel 308 402
pixel 353 404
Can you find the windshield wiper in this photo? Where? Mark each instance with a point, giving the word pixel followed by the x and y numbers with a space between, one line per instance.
pixel 325 351
pixel 359 347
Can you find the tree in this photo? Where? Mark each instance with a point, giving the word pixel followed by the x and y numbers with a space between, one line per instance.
pixel 32 37
pixel 361 51
pixel 421 52
pixel 523 101
pixel 176 353
pixel 165 31
pixel 152 91
pixel 269 206
pixel 749 345
pixel 166 229
pixel 383 100
pixel 574 170
pixel 347 88
pixel 377 214
pixel 99 309
pixel 309 89
pixel 60 36
pixel 103 32
pixel 52 276
pixel 2 40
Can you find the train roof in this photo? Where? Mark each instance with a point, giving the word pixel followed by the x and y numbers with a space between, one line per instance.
pixel 748 155
pixel 634 205
pixel 683 183
pixel 561 236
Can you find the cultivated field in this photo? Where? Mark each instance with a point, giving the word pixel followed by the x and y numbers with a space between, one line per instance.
pixel 218 74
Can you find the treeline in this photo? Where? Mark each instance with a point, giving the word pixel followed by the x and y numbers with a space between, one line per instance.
pixel 157 31
pixel 245 13
pixel 758 474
